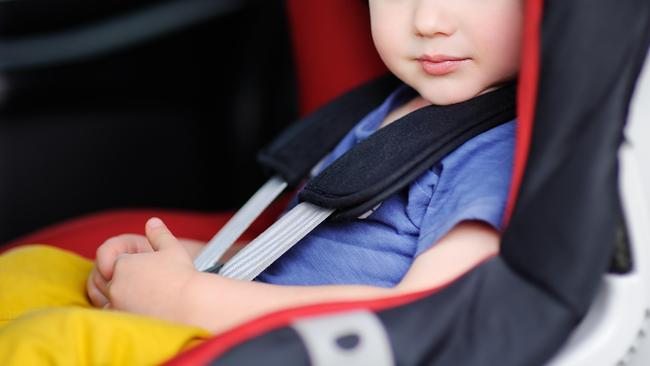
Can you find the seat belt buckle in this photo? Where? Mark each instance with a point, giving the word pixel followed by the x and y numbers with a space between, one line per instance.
pixel 214 269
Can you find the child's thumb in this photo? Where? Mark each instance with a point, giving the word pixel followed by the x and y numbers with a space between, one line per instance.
pixel 159 235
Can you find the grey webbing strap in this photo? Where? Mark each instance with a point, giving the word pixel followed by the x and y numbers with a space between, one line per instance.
pixel 275 241
pixel 236 226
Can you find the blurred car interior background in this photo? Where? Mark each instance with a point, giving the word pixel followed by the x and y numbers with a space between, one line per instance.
pixel 140 103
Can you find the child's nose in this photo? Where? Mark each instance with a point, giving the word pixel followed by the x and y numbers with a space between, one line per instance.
pixel 431 18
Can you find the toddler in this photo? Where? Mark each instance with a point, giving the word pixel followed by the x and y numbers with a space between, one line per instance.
pixel 444 223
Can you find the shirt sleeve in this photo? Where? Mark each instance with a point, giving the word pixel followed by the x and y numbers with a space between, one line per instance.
pixel 473 185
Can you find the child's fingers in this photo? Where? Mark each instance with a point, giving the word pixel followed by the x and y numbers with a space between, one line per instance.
pixel 100 282
pixel 105 258
pixel 96 289
pixel 115 246
pixel 159 235
pixel 96 298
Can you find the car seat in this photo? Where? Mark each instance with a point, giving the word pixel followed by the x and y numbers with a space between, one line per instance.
pixel 570 286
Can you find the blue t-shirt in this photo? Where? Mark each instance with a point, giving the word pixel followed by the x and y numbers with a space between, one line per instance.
pixel 471 183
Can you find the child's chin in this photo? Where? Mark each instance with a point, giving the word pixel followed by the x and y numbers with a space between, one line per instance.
pixel 453 96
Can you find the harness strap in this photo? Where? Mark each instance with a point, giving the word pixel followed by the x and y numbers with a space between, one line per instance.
pixel 297 150
pixel 237 224
pixel 359 180
pixel 255 257
pixel 293 154
pixel 396 155
pixel 377 167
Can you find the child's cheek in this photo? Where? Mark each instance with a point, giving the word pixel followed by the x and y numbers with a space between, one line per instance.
pixel 390 43
pixel 506 52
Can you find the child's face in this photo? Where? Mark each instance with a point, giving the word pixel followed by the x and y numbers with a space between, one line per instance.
pixel 484 35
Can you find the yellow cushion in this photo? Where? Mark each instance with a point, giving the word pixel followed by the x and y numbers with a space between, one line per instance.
pixel 46 318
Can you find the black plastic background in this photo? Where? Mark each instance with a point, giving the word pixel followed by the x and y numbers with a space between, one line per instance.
pixel 172 123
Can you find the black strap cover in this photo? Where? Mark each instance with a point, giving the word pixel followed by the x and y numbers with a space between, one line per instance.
pixel 296 151
pixel 396 155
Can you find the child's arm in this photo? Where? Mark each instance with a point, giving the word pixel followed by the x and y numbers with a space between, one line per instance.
pixel 164 283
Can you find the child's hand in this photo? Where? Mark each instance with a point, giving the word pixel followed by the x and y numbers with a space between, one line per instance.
pixel 152 283
pixel 107 253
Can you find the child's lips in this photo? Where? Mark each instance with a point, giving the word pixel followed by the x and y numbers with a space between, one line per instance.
pixel 438 65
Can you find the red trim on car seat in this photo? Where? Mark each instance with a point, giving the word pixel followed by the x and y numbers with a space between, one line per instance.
pixel 333 49
pixel 84 234
pixel 526 97
pixel 216 346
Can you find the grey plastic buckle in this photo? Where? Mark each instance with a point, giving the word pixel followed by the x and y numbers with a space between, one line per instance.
pixel 355 338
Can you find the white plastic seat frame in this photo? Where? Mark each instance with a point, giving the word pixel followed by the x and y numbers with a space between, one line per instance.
pixel 616 329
